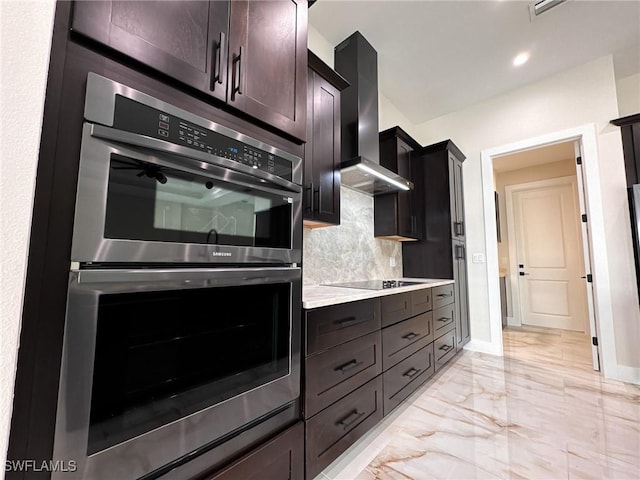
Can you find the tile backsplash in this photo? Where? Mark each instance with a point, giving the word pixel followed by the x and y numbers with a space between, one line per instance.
pixel 349 251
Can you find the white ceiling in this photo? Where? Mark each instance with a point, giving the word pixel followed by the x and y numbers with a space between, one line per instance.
pixel 437 57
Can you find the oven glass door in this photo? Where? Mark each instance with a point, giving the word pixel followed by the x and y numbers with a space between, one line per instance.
pixel 151 202
pixel 164 362
pixel 164 355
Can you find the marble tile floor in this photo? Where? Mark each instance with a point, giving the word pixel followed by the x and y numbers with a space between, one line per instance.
pixel 539 412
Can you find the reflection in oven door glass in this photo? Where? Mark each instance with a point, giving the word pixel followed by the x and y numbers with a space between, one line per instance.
pixel 150 202
pixel 161 356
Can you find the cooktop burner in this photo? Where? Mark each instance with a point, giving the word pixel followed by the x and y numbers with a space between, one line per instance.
pixel 374 284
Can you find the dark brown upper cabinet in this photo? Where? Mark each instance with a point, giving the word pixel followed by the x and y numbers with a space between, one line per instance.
pixel 250 54
pixel 442 252
pixel 398 215
pixel 630 130
pixel 322 150
pixel 443 213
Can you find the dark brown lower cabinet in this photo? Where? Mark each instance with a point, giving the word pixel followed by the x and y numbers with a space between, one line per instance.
pixel 403 379
pixel 333 430
pixel 339 370
pixel 362 359
pixel 281 458
pixel 444 348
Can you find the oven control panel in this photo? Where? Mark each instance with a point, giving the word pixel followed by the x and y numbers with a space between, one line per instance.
pixel 135 117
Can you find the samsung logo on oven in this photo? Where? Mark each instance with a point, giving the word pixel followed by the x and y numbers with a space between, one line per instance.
pixel 221 254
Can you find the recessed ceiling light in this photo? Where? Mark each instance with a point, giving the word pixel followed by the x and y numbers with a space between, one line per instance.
pixel 520 59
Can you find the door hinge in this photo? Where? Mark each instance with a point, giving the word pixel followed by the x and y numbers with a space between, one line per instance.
pixel 594 341
pixel 589 278
pixel 579 160
pixel 584 218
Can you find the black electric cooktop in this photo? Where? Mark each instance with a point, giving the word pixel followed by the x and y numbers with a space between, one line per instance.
pixel 374 284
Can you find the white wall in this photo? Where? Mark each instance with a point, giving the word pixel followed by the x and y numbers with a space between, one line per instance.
pixel 579 96
pixel 25 36
pixel 628 95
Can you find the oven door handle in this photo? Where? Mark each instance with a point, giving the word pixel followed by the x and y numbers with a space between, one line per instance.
pixel 113 280
pixel 149 143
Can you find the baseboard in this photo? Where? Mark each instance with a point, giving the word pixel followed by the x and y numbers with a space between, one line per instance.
pixel 513 322
pixel 623 373
pixel 483 347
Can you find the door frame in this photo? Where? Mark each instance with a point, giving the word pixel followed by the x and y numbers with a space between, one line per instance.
pixel 510 190
pixel 586 135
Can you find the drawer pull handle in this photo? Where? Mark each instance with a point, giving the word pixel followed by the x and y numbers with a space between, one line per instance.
pixel 349 321
pixel 350 419
pixel 444 295
pixel 410 336
pixel 444 319
pixel 350 365
pixel 446 348
pixel 412 372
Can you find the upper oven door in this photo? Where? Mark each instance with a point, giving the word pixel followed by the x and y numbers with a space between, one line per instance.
pixel 142 199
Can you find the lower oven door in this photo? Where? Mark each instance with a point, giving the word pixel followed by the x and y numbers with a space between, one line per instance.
pixel 159 363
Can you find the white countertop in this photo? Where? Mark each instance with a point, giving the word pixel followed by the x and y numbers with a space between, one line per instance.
pixel 314 296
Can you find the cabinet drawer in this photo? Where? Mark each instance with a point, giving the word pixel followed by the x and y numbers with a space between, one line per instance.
pixel 334 373
pixel 442 295
pixel 444 348
pixel 404 338
pixel 281 458
pixel 333 430
pixel 420 301
pixel 403 379
pixel 336 324
pixel 395 308
pixel 443 319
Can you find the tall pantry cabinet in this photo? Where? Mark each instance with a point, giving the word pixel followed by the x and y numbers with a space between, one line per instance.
pixel 442 252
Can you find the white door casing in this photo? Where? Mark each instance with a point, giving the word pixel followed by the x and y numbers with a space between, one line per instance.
pixel 587 136
pixel 548 267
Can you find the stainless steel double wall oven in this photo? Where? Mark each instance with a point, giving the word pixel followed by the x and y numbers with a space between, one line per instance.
pixel 183 314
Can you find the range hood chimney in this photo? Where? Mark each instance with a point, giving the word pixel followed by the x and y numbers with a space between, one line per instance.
pixel 357 61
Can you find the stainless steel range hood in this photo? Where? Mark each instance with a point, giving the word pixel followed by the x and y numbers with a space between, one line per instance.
pixel 357 61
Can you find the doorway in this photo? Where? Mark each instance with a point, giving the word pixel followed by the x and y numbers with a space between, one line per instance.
pixel 585 138
pixel 548 273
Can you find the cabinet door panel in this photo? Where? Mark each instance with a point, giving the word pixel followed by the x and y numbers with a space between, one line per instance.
pixel 405 338
pixel 395 308
pixel 179 39
pixel 443 295
pixel 333 430
pixel 444 348
pixel 402 380
pixel 268 61
pixel 281 458
pixel 463 334
pixel 322 152
pixel 333 325
pixel 406 218
pixel 457 212
pixel 420 301
pixel 334 373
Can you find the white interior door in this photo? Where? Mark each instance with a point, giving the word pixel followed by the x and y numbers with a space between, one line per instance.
pixel 587 257
pixel 549 255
